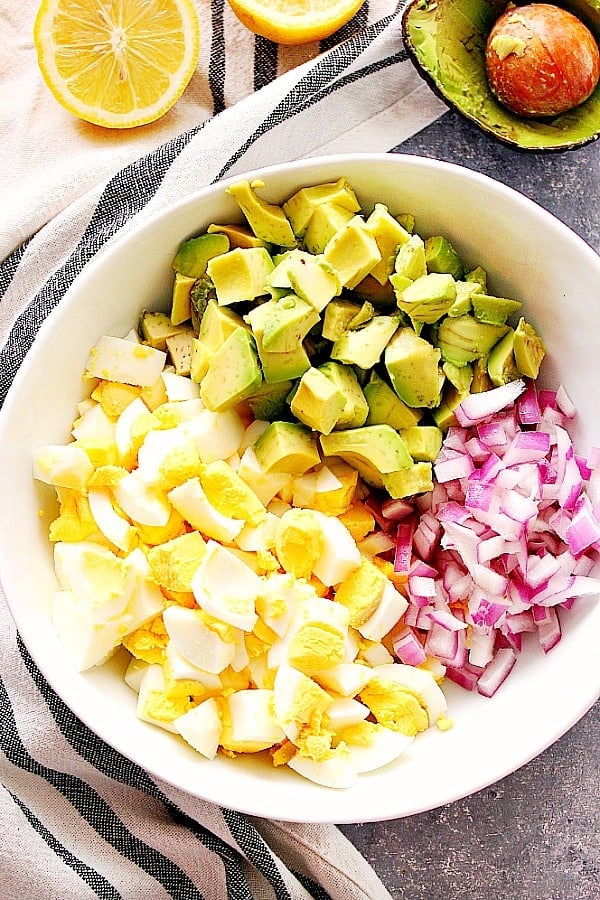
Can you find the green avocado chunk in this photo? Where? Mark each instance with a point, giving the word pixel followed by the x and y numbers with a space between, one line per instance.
pixel 464 339
pixel 413 366
pixel 494 310
pixel 374 450
pixel 440 256
pixel 385 407
pixel 356 408
pixel 193 255
pixel 317 401
pixel 424 442
pixel 363 346
pixel 301 206
pixel 418 479
pixel 529 349
pixel 283 322
pixel 267 220
pixel 233 372
pixel 287 447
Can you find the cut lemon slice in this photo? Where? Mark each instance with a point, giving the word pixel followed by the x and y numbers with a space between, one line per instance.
pixel 295 21
pixel 117 63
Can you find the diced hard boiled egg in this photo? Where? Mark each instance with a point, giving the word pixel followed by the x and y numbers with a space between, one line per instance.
pixel 204 642
pixel 230 494
pixel 258 537
pixel 319 633
pixel 142 502
pixel 102 582
pixel 226 587
pixel 340 554
pixel 249 722
pixel 177 668
pixel 116 359
pixel 335 771
pixel 124 430
pixel 372 746
pixel 404 698
pixel 201 727
pixel 167 458
pixel 65 465
pixel 180 387
pixel 147 600
pixel 154 705
pixel 299 701
pixel 113 526
pixel 391 606
pixel 345 711
pixel 264 484
pixel 134 673
pixel 191 502
pixel 174 563
pixel 217 435
pixel 94 425
pixel 299 542
pixel 345 679
pixel 278 599
pixel 87 643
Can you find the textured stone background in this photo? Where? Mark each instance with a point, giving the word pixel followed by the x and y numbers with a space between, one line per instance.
pixel 535 835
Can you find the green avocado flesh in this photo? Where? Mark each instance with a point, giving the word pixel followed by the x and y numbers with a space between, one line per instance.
pixel 446 39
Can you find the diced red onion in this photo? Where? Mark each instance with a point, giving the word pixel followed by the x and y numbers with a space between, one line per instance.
pixel 407 647
pixel 477 407
pixel 564 402
pixel 496 672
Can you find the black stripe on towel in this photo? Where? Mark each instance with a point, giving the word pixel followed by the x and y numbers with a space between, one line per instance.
pixel 265 62
pixel 95 811
pixel 9 266
pixel 96 881
pixel 117 767
pixel 254 847
pixel 217 61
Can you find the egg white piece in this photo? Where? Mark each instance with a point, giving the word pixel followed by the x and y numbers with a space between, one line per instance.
pixel 335 772
pixel 87 644
pixel 346 711
pixel 63 465
pixel 116 359
pixel 264 484
pixel 386 745
pixel 346 679
pixel 340 554
pixel 391 606
pixel 124 428
pixel 94 425
pixel 253 432
pixel 178 668
pixel 296 696
pixel 147 600
pixel 188 410
pixel 102 582
pixel 201 727
pixel 216 435
pixel 419 682
pixel 258 537
pixel 113 526
pixel 197 643
pixel 376 655
pixel 143 503
pixel 226 587
pixel 152 683
pixel 252 719
pixel 191 502
pixel 180 387
pixel 280 595
pixel 156 448
pixel 240 657
pixel 134 673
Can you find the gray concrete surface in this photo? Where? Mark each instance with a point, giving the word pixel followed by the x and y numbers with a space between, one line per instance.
pixel 535 835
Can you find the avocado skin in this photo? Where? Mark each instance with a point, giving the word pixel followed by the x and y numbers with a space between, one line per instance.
pixel 446 43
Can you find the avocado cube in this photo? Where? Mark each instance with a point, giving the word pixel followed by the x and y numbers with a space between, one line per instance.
pixel 440 256
pixel 389 235
pixel 377 446
pixel 267 220
pixel 418 479
pixel 269 401
pixel 281 366
pixel 217 324
pixel 464 293
pixel 413 366
pixel 386 407
pixel 363 347
pixel 313 279
pixel 410 259
pixel 193 255
pixel 287 447
pixel 424 442
pixel 200 356
pixel 181 307
pixel 501 363
pixel 301 205
pixel 529 349
pixel 326 220
pixel 233 372
pixel 428 298
pixel 478 276
pixel 337 317
pixel 238 235
pixel 356 408
pixel 284 322
pixel 352 252
pixel 317 401
pixel 460 376
pixel 240 274
pixel 494 310
pixel 463 339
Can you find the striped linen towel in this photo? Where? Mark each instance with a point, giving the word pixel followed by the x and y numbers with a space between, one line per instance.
pixel 79 820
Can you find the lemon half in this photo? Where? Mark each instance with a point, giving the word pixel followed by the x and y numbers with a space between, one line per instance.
pixel 295 21
pixel 117 63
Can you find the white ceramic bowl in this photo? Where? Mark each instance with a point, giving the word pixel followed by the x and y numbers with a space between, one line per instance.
pixel 529 255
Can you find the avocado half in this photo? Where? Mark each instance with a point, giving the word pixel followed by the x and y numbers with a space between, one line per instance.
pixel 446 41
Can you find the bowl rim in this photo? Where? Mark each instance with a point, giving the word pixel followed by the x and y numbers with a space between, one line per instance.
pixel 334 812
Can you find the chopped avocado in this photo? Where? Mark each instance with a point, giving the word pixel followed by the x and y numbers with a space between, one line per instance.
pixel 413 366
pixel 240 274
pixel 501 364
pixel 408 221
pixel 193 255
pixel 203 290
pixel 389 235
pixel 374 450
pixel 337 317
pixel 267 220
pixel 481 380
pixel 464 339
pixel 200 356
pixel 269 401
pixel 181 307
pixel 325 221
pixel 300 207
pixel 238 235
pixel 529 349
pixel 277 366
pixel 459 376
pixel 428 298
pixel 440 256
pixel 443 415
pixel 424 442
pixel 462 304
pixel 363 346
pixel 494 310
pixel 283 323
pixel 385 407
pixel 287 447
pixel 418 479
pixel 356 408
pixel 410 259
pixel 364 315
pixel 217 324
pixel 317 401
pixel 478 276
pixel 179 347
pixel 311 277
pixel 233 372
pixel 156 327
pixel 352 252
